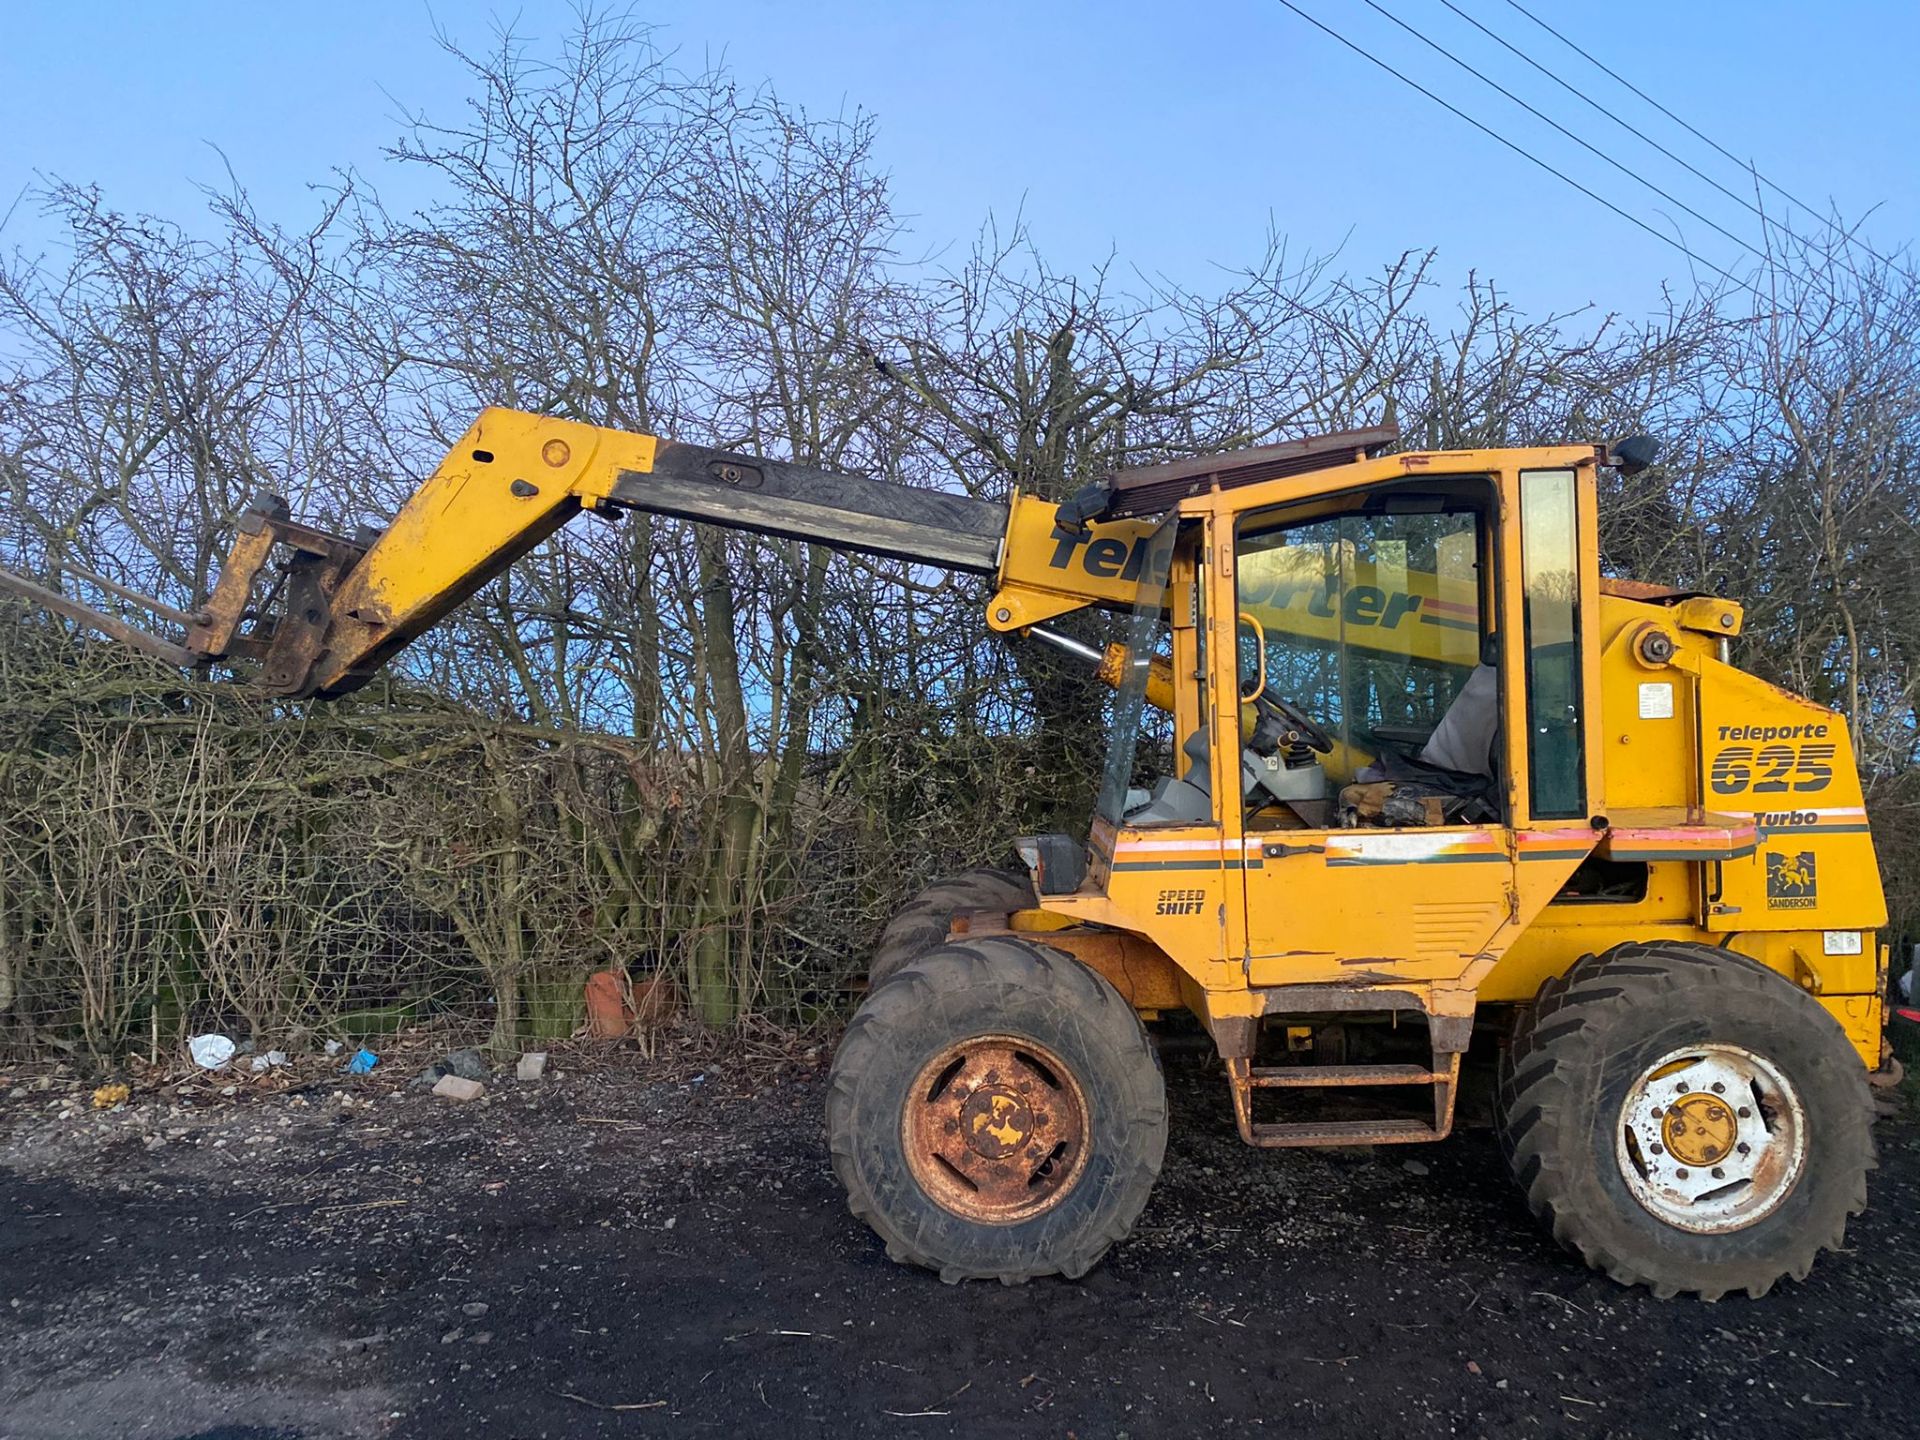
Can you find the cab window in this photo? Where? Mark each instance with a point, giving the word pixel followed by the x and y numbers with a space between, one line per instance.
pixel 1139 740
pixel 1370 622
pixel 1549 565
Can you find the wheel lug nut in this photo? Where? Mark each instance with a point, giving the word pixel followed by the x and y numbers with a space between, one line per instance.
pixel 1659 1149
pixel 1718 1088
pixel 1744 1148
pixel 1745 1113
pixel 1718 1173
pixel 1681 1174
pixel 1658 1112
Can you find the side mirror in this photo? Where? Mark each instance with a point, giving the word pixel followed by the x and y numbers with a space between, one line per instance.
pixel 1633 454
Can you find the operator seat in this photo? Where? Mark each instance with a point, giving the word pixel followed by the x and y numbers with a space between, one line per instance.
pixel 1463 740
pixel 1452 778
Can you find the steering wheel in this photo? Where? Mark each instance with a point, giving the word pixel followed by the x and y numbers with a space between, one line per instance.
pixel 1297 720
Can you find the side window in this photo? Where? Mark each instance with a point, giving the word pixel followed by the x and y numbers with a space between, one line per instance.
pixel 1550 573
pixel 1139 739
pixel 1372 625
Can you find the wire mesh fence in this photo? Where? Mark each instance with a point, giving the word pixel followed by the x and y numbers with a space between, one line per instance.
pixel 186 857
pixel 816 737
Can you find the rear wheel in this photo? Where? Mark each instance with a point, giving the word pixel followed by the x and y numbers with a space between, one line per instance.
pixel 996 1112
pixel 922 923
pixel 1686 1119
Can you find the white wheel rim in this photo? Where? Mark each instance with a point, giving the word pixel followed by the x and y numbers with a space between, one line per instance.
pixel 1712 1138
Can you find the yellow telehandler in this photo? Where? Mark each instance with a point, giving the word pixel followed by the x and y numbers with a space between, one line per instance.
pixel 1392 767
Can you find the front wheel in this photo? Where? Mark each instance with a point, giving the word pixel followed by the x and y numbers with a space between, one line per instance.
pixel 995 1111
pixel 1687 1119
pixel 922 923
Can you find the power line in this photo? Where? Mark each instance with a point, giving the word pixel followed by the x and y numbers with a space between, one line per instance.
pixel 1631 129
pixel 1583 144
pixel 1745 165
pixel 1523 153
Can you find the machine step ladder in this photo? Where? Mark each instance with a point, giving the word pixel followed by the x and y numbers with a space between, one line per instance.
pixel 1245 1077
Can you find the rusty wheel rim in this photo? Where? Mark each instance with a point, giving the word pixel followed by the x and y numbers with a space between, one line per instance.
pixel 1712 1138
pixel 996 1129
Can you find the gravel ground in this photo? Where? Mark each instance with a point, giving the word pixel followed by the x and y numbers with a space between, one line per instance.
pixel 635 1248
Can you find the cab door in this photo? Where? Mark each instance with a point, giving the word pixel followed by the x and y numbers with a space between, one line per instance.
pixel 1412 622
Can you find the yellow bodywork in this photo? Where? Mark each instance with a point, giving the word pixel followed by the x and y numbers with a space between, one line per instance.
pixel 507 484
pixel 1741 800
pixel 1046 572
pixel 472 511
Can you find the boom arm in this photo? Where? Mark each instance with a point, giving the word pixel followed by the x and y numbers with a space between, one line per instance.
pixel 510 482
pixel 340 608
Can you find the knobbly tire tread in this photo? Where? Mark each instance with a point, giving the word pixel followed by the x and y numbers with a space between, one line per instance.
pixel 921 924
pixel 984 985
pixel 1581 1042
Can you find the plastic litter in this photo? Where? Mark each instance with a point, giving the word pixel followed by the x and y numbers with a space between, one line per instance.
pixel 467 1064
pixel 333 1047
pixel 108 1096
pixel 210 1052
pixel 260 1064
pixel 532 1065
pixel 362 1062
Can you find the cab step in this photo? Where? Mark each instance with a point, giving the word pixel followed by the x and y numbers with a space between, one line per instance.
pixel 1300 1133
pixel 1244 1078
pixel 1318 1076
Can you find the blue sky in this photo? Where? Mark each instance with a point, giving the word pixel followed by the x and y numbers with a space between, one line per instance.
pixel 1170 134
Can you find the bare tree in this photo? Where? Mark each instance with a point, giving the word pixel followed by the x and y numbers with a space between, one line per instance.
pixel 718 759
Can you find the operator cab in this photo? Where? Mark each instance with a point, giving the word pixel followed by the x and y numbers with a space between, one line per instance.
pixel 1367 664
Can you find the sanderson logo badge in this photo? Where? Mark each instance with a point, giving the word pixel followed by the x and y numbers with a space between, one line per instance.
pixel 1790 881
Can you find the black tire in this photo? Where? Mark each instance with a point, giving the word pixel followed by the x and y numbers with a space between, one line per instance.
pixel 1544 1000
pixel 921 924
pixel 1591 1037
pixel 997 986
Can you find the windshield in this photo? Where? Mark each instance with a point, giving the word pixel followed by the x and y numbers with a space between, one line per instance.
pixel 1145 636
pixel 1370 621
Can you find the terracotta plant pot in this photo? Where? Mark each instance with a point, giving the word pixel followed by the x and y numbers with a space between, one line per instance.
pixel 656 1000
pixel 608 1015
pixel 615 1007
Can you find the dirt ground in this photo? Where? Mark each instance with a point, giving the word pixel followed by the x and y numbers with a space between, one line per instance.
pixel 641 1248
